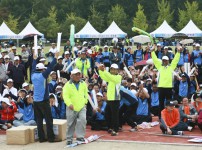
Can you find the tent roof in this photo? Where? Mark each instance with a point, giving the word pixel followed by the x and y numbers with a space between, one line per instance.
pixel 29 30
pixel 6 33
pixel 163 31
pixel 191 30
pixel 113 31
pixel 88 31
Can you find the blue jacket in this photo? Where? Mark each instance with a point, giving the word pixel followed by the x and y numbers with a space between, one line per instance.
pixel 100 115
pixel 55 111
pixel 52 85
pixel 143 107
pixel 28 111
pixel 39 80
pixel 155 99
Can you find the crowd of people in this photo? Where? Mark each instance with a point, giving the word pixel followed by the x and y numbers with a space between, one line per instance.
pixel 124 89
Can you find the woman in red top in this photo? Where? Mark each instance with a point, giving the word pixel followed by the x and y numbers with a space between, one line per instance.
pixel 7 111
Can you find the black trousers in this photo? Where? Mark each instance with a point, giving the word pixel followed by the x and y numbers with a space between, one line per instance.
pixel 164 93
pixel 155 110
pixel 42 110
pixel 181 126
pixel 112 115
pixel 137 119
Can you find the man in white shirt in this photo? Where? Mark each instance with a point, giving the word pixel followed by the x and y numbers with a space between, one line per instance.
pixel 9 89
pixel 53 49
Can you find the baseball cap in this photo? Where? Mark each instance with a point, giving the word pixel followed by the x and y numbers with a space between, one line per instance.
pixel 23 45
pixel 42 59
pixel 165 58
pixel 85 42
pixel 25 84
pixel 166 47
pixel 52 72
pixel 89 51
pixel 170 103
pixel 6 100
pixel 158 44
pixel 115 66
pixel 99 94
pixel 52 43
pixel 60 57
pixel 183 75
pixel 40 66
pixel 196 95
pixel 75 71
pixel 197 45
pixel 105 46
pixel 133 84
pixel 6 57
pixel 66 52
pixel 16 58
pixel 9 80
pixel 14 47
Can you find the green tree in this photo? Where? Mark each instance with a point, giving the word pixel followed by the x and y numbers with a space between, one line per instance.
pixel 164 12
pixel 140 20
pixel 118 15
pixel 71 19
pixel 96 19
pixel 191 12
pixel 49 25
pixel 12 23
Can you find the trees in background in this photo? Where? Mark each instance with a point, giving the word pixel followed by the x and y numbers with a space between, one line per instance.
pixel 144 14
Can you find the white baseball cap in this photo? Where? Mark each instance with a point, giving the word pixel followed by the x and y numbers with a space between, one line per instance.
pixel 166 47
pixel 6 100
pixel 115 66
pixel 75 71
pixel 6 56
pixel 99 94
pixel 165 58
pixel 133 84
pixel 158 44
pixel 197 45
pixel 89 51
pixel 66 52
pixel 40 66
pixel 52 72
pixel 149 79
pixel 60 57
pixel 38 47
pixel 85 42
pixel 105 46
pixel 23 45
pixel 42 59
pixel 16 58
pixel 58 87
pixel 9 80
pixel 25 84
pixel 14 47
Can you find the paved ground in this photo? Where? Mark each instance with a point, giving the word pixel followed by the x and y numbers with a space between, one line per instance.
pixel 99 145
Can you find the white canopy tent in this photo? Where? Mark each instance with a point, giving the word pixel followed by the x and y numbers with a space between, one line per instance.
pixel 6 33
pixel 113 31
pixel 191 30
pixel 164 31
pixel 28 31
pixel 88 31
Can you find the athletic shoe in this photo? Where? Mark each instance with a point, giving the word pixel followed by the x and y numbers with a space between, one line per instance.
pixel 114 133
pixel 180 132
pixel 190 128
pixel 133 129
pixel 110 131
pixel 69 142
pixel 80 139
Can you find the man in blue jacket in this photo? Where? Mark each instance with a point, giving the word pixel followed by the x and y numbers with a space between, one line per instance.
pixel 41 98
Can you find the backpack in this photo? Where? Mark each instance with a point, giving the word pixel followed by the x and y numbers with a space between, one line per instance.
pixel 200 117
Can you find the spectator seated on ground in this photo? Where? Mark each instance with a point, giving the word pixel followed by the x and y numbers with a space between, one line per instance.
pixel 188 113
pixel 55 108
pixel 98 120
pixel 28 112
pixel 197 101
pixel 58 93
pixel 142 113
pixel 7 111
pixel 9 89
pixel 170 120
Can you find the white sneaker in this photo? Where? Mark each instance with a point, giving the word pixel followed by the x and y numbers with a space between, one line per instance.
pixel 180 132
pixel 190 128
pixel 133 129
pixel 4 127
